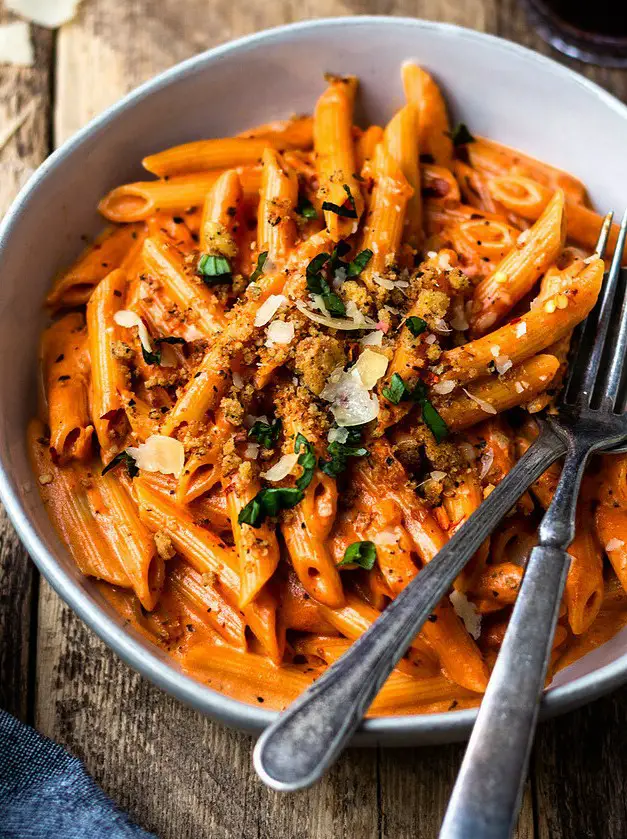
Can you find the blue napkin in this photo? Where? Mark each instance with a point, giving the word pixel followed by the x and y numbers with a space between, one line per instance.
pixel 45 793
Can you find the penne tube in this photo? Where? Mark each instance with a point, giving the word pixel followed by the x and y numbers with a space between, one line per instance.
pixel 523 337
pixel 424 95
pixel 137 201
pixel 295 133
pixel 276 228
pixel 366 145
pixel 219 222
pixel 401 143
pixel 584 591
pixel 611 527
pixel 184 288
pixel 386 218
pixel 109 375
pixel 498 394
pixel 516 275
pixel 65 368
pixel 224 153
pixel 335 156
pixel 74 286
pixel 64 494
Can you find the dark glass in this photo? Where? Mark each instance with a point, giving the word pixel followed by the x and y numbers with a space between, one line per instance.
pixel 591 30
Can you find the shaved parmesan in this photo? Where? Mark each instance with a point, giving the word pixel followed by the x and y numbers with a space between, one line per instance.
pixel 445 387
pixel 485 406
pixel 495 350
pixel 440 325
pixel 279 332
pixel 387 537
pixel 467 612
pixel 436 475
pixel 355 320
pixel 49 13
pixel 351 403
pixel 614 544
pixel 487 459
pixel 337 435
pixel 15 44
pixel 282 468
pixel 371 366
pixel 521 329
pixel 430 339
pixel 250 420
pixel 159 454
pixel 128 319
pixel 269 308
pixel 502 364
pixel 252 451
pixel 518 387
pixel 372 339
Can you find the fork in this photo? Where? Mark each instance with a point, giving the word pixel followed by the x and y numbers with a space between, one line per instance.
pixel 486 797
pixel 305 740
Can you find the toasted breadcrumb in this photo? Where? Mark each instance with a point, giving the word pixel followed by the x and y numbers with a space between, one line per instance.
pixel 316 358
pixel 164 545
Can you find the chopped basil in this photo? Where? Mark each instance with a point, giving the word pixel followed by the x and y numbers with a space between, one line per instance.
pixel 305 208
pixel 399 392
pixel 172 340
pixel 340 452
pixel 363 554
pixel 460 135
pixel 416 325
pixel 396 391
pixel 268 502
pixel 307 459
pixel 339 251
pixel 266 434
pixel 125 458
pixel 346 210
pixel 214 269
pixel 151 357
pixel 261 261
pixel 317 284
pixel 359 263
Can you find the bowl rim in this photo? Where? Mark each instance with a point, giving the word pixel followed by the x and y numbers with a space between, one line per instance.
pixel 445 726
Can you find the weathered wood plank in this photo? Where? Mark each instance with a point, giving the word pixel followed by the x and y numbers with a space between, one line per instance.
pixel 24 100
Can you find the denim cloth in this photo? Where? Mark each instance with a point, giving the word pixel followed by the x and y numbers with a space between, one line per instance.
pixel 45 793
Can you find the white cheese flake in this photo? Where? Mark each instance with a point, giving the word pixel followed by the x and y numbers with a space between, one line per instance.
pixel 252 451
pixel 445 387
pixel 467 612
pixel 279 332
pixel 370 366
pixel 482 403
pixel 521 329
pixel 337 435
pixel 282 468
pixel 269 308
pixel 614 544
pixel 128 319
pixel 159 454
pixel 372 339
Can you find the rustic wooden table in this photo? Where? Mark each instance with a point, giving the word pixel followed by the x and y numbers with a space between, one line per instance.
pixel 176 772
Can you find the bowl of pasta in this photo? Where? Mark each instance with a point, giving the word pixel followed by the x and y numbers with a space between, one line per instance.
pixel 273 350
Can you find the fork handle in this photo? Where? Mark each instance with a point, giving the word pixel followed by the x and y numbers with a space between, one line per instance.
pixel 305 740
pixel 487 795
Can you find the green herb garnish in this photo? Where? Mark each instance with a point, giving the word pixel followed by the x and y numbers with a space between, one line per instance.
pixel 305 208
pixel 363 554
pixel 268 502
pixel 346 210
pixel 340 452
pixel 460 135
pixel 266 434
pixel 125 458
pixel 261 261
pixel 151 357
pixel 317 284
pixel 416 325
pixel 359 263
pixel 307 459
pixel 214 269
pixel 399 392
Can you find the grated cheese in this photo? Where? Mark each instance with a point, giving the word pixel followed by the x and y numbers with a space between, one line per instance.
pixel 467 612
pixel 482 403
pixel 159 454
pixel 269 308
pixel 279 332
pixel 282 468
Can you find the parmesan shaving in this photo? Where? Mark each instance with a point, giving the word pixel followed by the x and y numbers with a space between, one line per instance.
pixel 372 339
pixel 282 468
pixel 269 308
pixel 467 612
pixel 386 537
pixel 128 319
pixel 370 366
pixel 348 323
pixel 502 364
pixel 521 329
pixel 485 406
pixel 614 544
pixel 495 351
pixel 440 325
pixel 159 454
pixel 487 459
pixel 337 435
pixel 252 451
pixel 49 13
pixel 279 332
pixel 437 475
pixel 445 387
pixel 351 402
pixel 15 45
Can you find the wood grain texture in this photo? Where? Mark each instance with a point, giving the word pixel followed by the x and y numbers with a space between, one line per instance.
pixel 24 92
pixel 177 773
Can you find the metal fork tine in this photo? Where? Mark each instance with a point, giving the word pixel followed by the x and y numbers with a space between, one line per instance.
pixel 619 349
pixel 575 344
pixel 605 309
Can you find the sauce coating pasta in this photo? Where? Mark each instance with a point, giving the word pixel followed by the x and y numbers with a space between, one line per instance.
pixel 293 367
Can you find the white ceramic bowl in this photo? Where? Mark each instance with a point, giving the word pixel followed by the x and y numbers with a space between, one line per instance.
pixel 499 89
